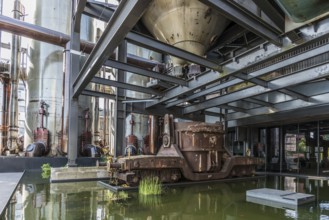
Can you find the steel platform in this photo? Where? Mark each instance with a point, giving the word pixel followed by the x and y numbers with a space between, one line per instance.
pixel 278 198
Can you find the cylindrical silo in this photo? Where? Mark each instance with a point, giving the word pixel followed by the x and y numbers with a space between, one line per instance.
pixel 45 74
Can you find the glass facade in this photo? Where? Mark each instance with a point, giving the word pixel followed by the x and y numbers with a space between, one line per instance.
pixel 294 148
pixel 297 148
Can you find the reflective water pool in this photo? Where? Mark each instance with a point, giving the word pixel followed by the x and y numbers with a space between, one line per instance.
pixel 35 198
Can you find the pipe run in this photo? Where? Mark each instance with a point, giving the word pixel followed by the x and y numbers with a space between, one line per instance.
pixel 57 38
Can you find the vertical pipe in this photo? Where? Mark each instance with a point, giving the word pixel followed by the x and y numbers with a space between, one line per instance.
pixel 153 134
pixel 1 8
pixel 14 71
pixel 95 119
pixel 5 80
pixel 65 106
pixel 106 126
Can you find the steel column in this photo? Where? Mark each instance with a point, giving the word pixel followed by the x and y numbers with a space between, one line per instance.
pixel 120 110
pixel 72 71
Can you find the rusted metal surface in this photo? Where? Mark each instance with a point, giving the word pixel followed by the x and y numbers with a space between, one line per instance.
pixel 193 25
pixel 201 144
pixel 41 134
pixel 153 134
pixel 194 151
pixel 5 87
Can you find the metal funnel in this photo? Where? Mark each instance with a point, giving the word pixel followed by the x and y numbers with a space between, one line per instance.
pixel 186 24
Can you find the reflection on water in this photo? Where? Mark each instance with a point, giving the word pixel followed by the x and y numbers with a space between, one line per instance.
pixel 37 199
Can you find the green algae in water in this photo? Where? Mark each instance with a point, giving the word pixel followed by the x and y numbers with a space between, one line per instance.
pixel 119 196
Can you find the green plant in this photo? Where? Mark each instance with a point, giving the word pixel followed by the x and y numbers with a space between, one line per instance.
pixel 46 168
pixel 150 186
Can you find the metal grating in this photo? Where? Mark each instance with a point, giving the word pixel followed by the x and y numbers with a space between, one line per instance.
pixel 288 55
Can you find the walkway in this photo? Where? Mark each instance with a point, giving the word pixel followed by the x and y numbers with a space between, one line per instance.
pixel 8 183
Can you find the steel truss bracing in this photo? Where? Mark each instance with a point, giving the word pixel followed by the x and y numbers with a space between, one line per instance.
pixel 300 70
pixel 123 19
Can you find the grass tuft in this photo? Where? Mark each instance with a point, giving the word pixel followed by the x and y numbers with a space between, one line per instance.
pixel 45 170
pixel 150 186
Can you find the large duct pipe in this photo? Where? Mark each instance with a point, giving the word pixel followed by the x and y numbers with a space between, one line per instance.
pixel 58 38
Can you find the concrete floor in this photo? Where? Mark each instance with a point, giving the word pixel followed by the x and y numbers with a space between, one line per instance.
pixel 8 183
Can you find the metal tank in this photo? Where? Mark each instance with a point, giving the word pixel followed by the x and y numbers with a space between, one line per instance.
pixel 186 24
pixel 45 75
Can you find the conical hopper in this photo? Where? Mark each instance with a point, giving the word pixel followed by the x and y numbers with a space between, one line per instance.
pixel 186 24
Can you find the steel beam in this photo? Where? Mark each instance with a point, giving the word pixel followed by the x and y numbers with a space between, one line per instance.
pixel 153 44
pixel 295 94
pixel 293 116
pixel 92 93
pixel 318 92
pixel 144 72
pixel 271 12
pixel 254 80
pixel 259 102
pixel 227 37
pixel 265 84
pixel 77 17
pixel 99 10
pixel 245 20
pixel 281 107
pixel 211 77
pixel 126 86
pixel 123 19
pixel 236 109
pixel 158 46
pixel 161 111
pixel 310 74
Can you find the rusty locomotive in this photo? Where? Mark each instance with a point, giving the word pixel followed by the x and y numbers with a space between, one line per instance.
pixel 191 150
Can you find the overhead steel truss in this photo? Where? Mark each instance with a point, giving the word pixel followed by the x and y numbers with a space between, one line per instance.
pixel 191 96
pixel 186 97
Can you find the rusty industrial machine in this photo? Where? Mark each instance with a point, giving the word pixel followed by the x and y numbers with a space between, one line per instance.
pixel 191 150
